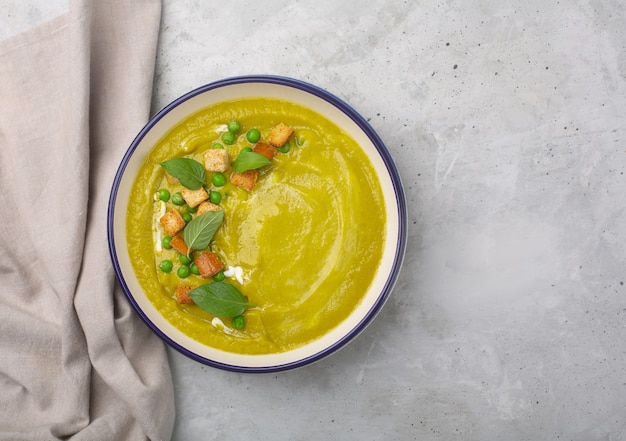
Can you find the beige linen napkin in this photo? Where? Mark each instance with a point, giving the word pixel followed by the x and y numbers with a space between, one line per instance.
pixel 75 361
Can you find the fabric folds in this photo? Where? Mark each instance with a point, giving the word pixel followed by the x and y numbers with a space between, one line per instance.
pixel 75 361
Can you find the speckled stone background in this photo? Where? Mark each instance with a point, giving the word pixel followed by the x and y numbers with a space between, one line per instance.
pixel 507 120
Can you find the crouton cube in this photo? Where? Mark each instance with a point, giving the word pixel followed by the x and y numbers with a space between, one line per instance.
pixel 269 151
pixel 245 180
pixel 279 135
pixel 182 294
pixel 216 160
pixel 207 206
pixel 194 197
pixel 178 243
pixel 171 179
pixel 172 222
pixel 208 264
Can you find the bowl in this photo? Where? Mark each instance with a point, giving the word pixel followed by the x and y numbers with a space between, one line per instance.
pixel 322 102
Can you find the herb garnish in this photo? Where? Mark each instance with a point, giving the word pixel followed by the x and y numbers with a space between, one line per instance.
pixel 199 232
pixel 188 171
pixel 220 299
pixel 249 161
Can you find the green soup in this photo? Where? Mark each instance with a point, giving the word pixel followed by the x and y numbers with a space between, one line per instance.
pixel 309 236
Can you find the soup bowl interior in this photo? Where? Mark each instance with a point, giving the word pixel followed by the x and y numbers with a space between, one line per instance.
pixel 323 103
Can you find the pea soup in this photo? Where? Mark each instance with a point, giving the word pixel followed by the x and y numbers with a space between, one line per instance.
pixel 301 245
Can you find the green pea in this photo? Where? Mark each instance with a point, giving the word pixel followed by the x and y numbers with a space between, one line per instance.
pixel 215 197
pixel 183 272
pixel 187 217
pixel 217 145
pixel 194 269
pixel 239 322
pixel 253 135
pixel 228 138
pixel 246 149
pixel 285 148
pixel 219 180
pixel 165 242
pixel 234 127
pixel 177 199
pixel 184 259
pixel 219 276
pixel 166 266
pixel 191 209
pixel 163 195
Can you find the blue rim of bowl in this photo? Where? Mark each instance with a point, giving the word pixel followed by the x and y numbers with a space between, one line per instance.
pixel 391 169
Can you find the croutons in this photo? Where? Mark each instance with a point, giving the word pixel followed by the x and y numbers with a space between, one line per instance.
pixel 208 264
pixel 178 243
pixel 245 180
pixel 216 160
pixel 207 206
pixel 172 222
pixel 182 294
pixel 194 197
pixel 279 135
pixel 266 150
pixel 171 179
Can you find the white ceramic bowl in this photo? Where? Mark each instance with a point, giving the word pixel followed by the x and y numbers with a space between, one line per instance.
pixel 320 101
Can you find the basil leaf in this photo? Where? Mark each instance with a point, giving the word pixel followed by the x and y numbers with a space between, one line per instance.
pixel 188 171
pixel 249 161
pixel 199 232
pixel 220 299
